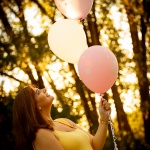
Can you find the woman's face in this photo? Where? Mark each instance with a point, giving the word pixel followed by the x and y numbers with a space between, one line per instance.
pixel 43 98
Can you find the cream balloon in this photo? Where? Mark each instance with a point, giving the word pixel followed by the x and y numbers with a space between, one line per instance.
pixel 67 40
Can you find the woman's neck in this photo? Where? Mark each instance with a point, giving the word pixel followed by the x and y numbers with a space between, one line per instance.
pixel 46 115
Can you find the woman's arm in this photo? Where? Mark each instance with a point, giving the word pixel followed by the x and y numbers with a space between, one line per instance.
pixel 98 140
pixel 46 140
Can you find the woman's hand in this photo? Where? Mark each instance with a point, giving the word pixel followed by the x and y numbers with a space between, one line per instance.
pixel 104 109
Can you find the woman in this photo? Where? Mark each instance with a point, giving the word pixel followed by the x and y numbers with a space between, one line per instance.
pixel 35 129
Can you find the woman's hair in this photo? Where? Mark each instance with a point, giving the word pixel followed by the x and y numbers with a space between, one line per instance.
pixel 27 119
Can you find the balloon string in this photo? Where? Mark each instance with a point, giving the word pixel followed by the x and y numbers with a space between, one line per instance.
pixel 113 134
pixel 82 20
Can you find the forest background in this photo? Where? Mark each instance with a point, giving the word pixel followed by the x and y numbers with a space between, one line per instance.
pixel 25 58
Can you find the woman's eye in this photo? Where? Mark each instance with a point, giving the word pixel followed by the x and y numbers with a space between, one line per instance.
pixel 37 91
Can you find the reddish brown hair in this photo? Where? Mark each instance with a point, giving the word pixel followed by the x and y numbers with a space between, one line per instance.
pixel 27 119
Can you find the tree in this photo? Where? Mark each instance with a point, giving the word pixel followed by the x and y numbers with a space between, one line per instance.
pixel 140 58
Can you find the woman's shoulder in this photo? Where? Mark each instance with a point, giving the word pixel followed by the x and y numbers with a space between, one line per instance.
pixel 43 132
pixel 46 139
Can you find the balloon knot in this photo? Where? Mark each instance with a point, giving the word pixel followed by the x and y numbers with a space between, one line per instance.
pixel 81 20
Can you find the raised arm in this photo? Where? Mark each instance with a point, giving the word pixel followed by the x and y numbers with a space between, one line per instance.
pixel 46 140
pixel 98 140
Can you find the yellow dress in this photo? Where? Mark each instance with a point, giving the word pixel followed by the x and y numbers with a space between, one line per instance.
pixel 73 140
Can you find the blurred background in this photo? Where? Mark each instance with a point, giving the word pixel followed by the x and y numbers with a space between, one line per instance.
pixel 25 58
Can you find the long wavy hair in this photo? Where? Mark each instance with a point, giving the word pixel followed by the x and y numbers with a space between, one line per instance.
pixel 27 119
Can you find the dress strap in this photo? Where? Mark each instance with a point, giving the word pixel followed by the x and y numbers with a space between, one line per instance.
pixel 64 122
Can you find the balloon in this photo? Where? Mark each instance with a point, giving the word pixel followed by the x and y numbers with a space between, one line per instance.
pixel 74 9
pixel 67 40
pixel 98 68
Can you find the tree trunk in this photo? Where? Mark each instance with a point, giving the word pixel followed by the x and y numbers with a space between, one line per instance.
pixel 124 127
pixel 91 115
pixel 140 68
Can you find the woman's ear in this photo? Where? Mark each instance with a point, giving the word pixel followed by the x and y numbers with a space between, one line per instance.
pixel 39 108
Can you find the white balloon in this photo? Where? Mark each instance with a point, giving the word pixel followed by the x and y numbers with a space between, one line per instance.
pixel 67 40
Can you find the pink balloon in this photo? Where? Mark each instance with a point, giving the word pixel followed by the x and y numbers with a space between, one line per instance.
pixel 98 68
pixel 74 9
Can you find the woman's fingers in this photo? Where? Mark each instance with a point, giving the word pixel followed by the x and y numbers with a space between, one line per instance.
pixel 107 107
pixel 105 104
